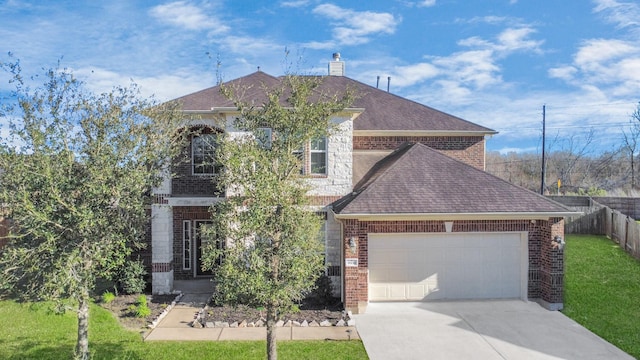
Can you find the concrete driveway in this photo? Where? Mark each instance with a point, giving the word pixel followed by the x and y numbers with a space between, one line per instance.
pixel 496 329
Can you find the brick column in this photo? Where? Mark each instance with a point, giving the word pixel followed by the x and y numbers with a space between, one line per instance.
pixel 552 267
pixel 356 281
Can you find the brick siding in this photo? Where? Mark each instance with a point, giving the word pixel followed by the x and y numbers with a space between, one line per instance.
pixel 185 183
pixel 546 265
pixel 468 149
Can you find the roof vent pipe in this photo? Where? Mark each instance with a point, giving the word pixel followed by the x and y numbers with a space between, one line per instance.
pixel 388 83
pixel 378 81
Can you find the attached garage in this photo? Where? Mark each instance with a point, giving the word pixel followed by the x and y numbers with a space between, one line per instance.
pixel 422 226
pixel 434 266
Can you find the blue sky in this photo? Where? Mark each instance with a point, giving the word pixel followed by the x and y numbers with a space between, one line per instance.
pixel 492 62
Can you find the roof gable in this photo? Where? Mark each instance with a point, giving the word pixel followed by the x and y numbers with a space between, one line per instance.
pixel 416 179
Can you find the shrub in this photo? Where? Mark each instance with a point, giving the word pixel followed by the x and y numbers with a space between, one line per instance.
pixel 141 300
pixel 130 278
pixel 142 309
pixel 323 292
pixel 108 297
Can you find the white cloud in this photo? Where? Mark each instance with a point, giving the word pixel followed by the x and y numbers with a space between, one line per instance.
pixel 353 27
pixel 188 16
pixel 163 86
pixel 508 41
pixel 295 3
pixel 427 3
pixel 624 14
pixel 517 39
pixel 412 74
pixel 564 73
pixel 593 53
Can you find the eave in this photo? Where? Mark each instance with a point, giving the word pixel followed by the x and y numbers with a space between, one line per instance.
pixel 459 216
pixel 421 133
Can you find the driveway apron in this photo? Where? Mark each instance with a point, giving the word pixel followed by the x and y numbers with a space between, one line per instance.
pixel 496 329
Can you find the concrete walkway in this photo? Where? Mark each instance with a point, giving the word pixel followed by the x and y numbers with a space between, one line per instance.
pixel 506 329
pixel 175 326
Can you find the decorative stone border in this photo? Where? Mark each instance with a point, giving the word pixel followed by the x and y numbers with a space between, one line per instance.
pixel 198 322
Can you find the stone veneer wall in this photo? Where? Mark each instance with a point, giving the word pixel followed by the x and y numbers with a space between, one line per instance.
pixel 468 149
pixel 338 180
pixel 546 264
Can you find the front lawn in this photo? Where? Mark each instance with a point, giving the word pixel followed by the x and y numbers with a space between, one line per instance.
pixel 30 331
pixel 602 290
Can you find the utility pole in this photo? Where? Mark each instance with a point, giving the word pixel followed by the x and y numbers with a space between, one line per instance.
pixel 543 157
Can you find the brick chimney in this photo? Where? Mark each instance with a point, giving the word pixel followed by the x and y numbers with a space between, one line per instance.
pixel 336 67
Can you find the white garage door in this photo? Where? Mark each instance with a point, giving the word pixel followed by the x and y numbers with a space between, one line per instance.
pixel 447 266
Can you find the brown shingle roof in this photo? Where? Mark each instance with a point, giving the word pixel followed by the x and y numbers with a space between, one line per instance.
pixel 251 85
pixel 416 179
pixel 387 111
pixel 382 110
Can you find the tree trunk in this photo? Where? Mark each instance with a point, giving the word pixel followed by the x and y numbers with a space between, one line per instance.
pixel 272 350
pixel 82 345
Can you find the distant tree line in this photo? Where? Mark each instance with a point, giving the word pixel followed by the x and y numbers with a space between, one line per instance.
pixel 575 164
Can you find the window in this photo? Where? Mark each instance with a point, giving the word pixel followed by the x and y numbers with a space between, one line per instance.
pixel 203 149
pixel 186 245
pixel 263 137
pixel 318 155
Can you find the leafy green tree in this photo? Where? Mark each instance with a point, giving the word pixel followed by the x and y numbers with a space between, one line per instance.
pixel 76 173
pixel 273 252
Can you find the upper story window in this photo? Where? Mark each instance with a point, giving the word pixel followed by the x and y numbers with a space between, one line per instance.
pixel 318 156
pixel 203 149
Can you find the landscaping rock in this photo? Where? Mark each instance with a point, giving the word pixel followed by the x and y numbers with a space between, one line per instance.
pixel 280 323
pixel 209 324
pixel 259 323
pixel 251 324
pixel 233 324
pixel 325 323
pixel 314 324
pixel 340 323
pixel 304 323
pixel 288 323
pixel 221 324
pixel 243 324
pixel 296 323
pixel 196 324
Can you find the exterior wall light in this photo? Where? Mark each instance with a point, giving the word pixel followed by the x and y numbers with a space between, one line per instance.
pixel 352 244
pixel 558 242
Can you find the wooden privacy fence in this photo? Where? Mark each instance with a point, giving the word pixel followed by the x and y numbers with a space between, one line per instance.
pixel 620 228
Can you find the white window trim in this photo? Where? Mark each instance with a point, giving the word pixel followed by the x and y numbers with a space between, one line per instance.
pixel 187 245
pixel 326 157
pixel 193 165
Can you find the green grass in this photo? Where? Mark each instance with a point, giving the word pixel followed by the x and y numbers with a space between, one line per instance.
pixel 30 331
pixel 602 290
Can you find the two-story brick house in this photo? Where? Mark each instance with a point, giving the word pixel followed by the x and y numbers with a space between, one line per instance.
pixel 410 212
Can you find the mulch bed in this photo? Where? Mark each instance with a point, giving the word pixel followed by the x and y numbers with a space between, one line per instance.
pixel 307 311
pixel 123 305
